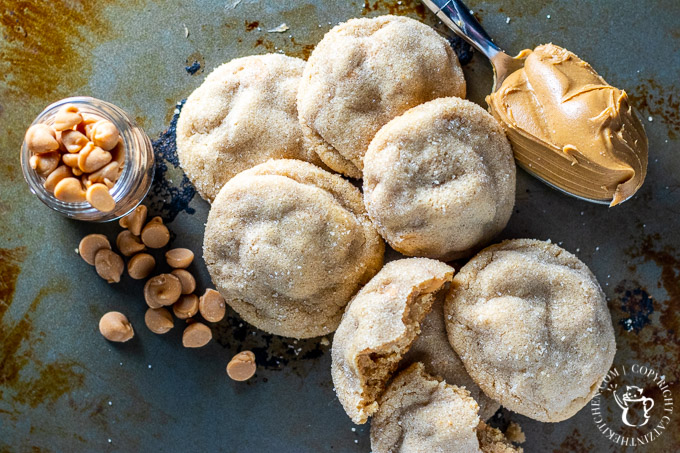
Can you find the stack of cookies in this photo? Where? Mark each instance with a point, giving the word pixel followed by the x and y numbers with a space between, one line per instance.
pixel 297 249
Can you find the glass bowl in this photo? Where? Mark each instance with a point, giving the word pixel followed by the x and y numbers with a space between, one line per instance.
pixel 134 182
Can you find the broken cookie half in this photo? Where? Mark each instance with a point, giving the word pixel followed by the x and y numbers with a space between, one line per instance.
pixel 379 326
pixel 420 414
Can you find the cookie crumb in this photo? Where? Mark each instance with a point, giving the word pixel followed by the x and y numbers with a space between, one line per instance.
pixel 515 434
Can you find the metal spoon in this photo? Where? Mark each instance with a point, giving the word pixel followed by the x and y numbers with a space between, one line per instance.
pixel 456 15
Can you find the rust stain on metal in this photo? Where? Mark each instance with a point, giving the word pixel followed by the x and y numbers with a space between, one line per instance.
pixel 647 329
pixel 10 259
pixel 575 443
pixel 9 172
pixel 300 50
pixel 655 323
pixel 400 7
pixel 250 26
pixel 293 48
pixel 659 102
pixel 40 55
pixel 266 44
pixel 16 355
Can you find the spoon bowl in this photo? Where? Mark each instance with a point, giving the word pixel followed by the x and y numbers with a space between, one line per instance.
pixel 456 15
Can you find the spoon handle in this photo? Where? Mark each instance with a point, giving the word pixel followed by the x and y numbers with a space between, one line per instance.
pixel 456 15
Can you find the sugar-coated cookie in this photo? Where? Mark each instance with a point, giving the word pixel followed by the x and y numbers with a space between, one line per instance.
pixel 288 244
pixel 365 72
pixel 531 324
pixel 242 115
pixel 378 327
pixel 439 180
pixel 419 413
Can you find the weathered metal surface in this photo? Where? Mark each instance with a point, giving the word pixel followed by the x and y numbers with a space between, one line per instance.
pixel 63 388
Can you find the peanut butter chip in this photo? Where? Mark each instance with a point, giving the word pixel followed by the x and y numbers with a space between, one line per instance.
pixel 196 335
pixel 70 159
pixel 141 265
pixel 85 182
pixel 158 320
pixel 90 245
pixel 212 306
pixel 118 153
pixel 91 158
pixel 179 258
pixel 129 244
pixel 114 326
pixel 242 367
pixel 135 220
pixel 109 265
pixel 69 190
pixel 41 138
pixel 162 290
pixel 188 281
pixel 85 126
pixel 61 172
pixel 186 306
pixel 45 163
pixel 104 134
pixel 73 141
pixel 99 197
pixel 155 235
pixel 67 117
pixel 109 171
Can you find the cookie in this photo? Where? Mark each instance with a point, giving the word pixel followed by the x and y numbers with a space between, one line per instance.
pixel 378 327
pixel 287 244
pixel 242 115
pixel 531 324
pixel 420 414
pixel 432 348
pixel 365 72
pixel 439 180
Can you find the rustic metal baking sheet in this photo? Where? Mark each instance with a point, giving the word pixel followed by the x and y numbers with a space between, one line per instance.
pixel 64 389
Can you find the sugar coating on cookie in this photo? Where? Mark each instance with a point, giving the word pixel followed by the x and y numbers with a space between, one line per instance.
pixel 420 414
pixel 365 72
pixel 287 244
pixel 439 180
pixel 432 348
pixel 378 327
pixel 531 324
pixel 242 115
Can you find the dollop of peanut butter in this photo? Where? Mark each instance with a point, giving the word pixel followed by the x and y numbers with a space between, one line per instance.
pixel 570 127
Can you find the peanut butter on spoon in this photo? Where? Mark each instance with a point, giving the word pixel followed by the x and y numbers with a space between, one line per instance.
pixel 571 128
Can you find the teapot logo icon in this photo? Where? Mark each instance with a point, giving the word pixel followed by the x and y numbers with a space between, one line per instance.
pixel 635 406
pixel 642 413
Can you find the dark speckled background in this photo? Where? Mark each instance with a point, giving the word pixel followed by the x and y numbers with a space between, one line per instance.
pixel 64 389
